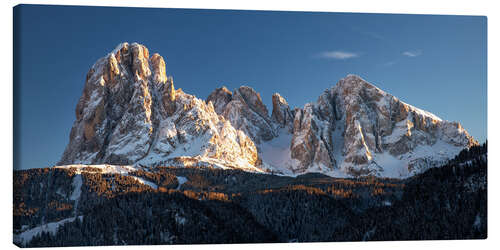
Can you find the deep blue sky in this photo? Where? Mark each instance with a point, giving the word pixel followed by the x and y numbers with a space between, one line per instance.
pixel 437 63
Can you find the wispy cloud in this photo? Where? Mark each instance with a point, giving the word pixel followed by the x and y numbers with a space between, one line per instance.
pixel 370 34
pixel 388 64
pixel 338 55
pixel 412 53
pixel 373 35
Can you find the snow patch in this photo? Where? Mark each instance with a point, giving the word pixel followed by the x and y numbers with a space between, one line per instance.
pixel 276 154
pixel 103 168
pixel 26 236
pixel 77 187
pixel 392 166
pixel 145 182
pixel 192 148
pixel 423 112
pixel 181 180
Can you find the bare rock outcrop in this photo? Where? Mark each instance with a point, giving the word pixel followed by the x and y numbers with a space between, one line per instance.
pixel 281 114
pixel 245 110
pixel 220 98
pixel 311 141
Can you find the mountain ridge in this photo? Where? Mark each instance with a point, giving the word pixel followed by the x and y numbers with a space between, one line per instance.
pixel 130 113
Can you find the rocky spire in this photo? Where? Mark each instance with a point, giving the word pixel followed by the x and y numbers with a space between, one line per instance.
pixel 168 97
pixel 281 113
pixel 158 67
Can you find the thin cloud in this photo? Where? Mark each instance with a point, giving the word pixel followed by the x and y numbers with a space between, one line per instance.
pixel 388 64
pixel 412 53
pixel 338 55
pixel 373 35
pixel 370 34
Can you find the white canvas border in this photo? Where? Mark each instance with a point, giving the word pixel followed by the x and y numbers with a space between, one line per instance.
pixel 478 7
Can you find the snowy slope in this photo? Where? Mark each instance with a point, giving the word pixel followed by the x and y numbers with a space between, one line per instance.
pixel 26 236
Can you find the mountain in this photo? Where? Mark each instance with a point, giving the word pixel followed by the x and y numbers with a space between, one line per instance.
pixel 131 114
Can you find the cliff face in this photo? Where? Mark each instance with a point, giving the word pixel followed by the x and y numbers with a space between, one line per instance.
pixel 360 129
pixel 131 113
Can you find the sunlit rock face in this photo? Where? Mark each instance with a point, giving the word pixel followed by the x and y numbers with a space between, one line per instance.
pixel 131 113
pixel 245 110
pixel 220 98
pixel 281 114
pixel 364 130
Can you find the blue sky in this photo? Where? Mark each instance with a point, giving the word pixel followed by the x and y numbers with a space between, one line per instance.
pixel 437 63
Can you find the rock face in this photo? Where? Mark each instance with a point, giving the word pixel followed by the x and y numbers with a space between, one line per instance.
pixel 359 129
pixel 220 98
pixel 281 112
pixel 130 113
pixel 245 110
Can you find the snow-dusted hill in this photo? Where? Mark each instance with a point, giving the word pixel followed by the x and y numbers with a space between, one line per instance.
pixel 131 114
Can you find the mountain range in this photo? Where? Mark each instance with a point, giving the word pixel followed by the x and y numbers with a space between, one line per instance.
pixel 130 113
pixel 148 164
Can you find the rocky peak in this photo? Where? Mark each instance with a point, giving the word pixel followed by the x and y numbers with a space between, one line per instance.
pixel 168 96
pixel 281 113
pixel 220 97
pixel 130 113
pixel 252 99
pixel 359 129
pixel 158 67
pixel 247 112
pixel 354 81
pixel 140 64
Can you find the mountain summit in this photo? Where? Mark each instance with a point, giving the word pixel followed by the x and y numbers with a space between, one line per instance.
pixel 131 114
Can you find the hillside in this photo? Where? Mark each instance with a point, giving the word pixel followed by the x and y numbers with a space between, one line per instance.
pixel 171 205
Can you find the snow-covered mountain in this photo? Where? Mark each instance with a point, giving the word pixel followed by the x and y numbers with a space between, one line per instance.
pixel 131 114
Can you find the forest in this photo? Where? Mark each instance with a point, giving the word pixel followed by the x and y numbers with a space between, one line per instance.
pixel 231 206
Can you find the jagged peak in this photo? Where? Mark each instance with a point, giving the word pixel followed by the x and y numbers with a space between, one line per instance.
pixel 353 81
pixel 281 111
pixel 252 98
pixel 129 60
pixel 354 76
pixel 352 85
pixel 159 68
pixel 220 97
pixel 126 46
pixel 119 47
pixel 279 99
pixel 222 89
pixel 225 89
pixel 246 88
pixel 248 92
